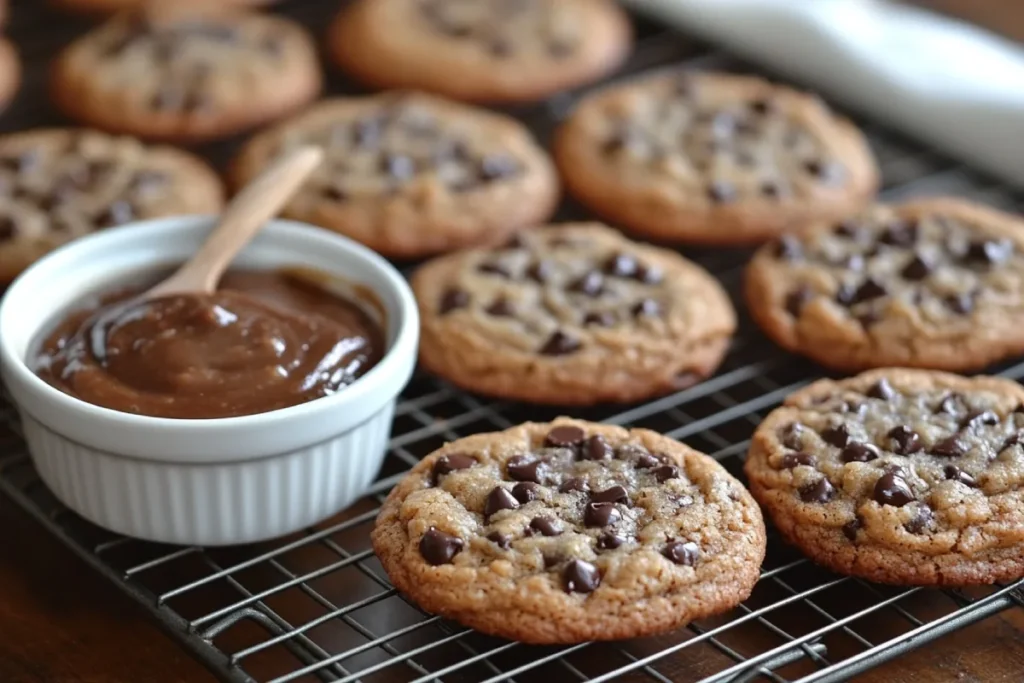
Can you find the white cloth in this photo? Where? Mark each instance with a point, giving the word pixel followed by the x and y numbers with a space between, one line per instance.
pixel 951 85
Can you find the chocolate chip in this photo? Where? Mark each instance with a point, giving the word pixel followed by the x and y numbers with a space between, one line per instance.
pixel 837 436
pixel 881 390
pixel 499 499
pixel 1012 440
pixel 899 233
pixel 565 436
pixel 609 541
pixel 771 189
pixel 850 229
pixel 525 491
pixel 497 167
pixel 682 553
pixel 851 528
pixel 596 448
pixel 334 193
pixel 797 299
pixel 820 491
pixel 400 167
pixel 791 460
pixel 439 548
pixel 601 514
pixel 580 577
pixel 573 484
pixel 989 252
pixel 950 405
pixel 453 299
pixel 540 271
pixel 646 308
pixel 500 539
pixel 501 308
pixel 921 520
pixel 892 489
pixel 918 268
pixel 523 468
pixel 954 473
pixel 959 303
pixel 788 248
pixel 950 447
pixel 447 464
pixel 621 265
pixel 721 192
pixel 646 461
pixel 979 419
pixel 560 344
pixel 856 451
pixel 827 172
pixel 649 275
pixel 494 268
pixel 118 213
pixel 790 435
pixel 8 229
pixel 547 526
pixel 905 440
pixel 599 319
pixel 590 284
pixel 367 131
pixel 615 494
pixel 868 290
pixel 666 472
pixel 623 138
pixel 552 560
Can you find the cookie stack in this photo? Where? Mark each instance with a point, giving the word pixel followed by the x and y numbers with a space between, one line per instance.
pixel 570 531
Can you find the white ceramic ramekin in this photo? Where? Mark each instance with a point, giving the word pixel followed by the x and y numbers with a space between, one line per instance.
pixel 204 482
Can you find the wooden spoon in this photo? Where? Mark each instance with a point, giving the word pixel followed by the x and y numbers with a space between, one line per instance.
pixel 257 203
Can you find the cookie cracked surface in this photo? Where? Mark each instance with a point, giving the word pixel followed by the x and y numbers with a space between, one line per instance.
pixel 899 476
pixel 712 158
pixel 934 283
pixel 570 531
pixel 571 314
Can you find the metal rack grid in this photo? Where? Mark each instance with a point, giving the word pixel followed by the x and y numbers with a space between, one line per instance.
pixel 317 605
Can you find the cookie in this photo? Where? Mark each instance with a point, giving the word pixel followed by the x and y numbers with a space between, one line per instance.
pixel 708 158
pixel 570 531
pixel 480 50
pixel 185 73
pixel 571 315
pixel 108 6
pixel 59 184
pixel 934 283
pixel 909 477
pixel 412 175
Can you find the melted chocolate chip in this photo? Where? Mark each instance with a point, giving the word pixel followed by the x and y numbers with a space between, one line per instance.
pixel 497 167
pixel 918 269
pixel 547 526
pixel 959 303
pixel 580 577
pixel 649 275
pixel 920 521
pixel 763 106
pixel 893 489
pixel 721 192
pixel 118 213
pixel 882 390
pixel 493 268
pixel 905 440
pixel 560 344
pixel 500 539
pixel 596 448
pixel 979 419
pixel 501 308
pixel 646 461
pixel 615 494
pixel 621 265
pixel 523 468
pixel 954 473
pixel 790 435
pixel 827 172
pixel 868 290
pixel 499 499
pixel 989 252
pixel 797 299
pixel 1012 440
pixel 453 299
pixel 899 234
pixel 447 464
pixel 837 436
pixel 540 271
pixel 565 436
pixel 851 528
pixel 682 553
pixel 820 491
pixel 573 484
pixel 646 308
pixel 8 228
pixel 439 548
pixel 609 541
pixel 771 189
pixel 791 460
pixel 525 491
pixel 666 472
pixel 950 447
pixel 950 405
pixel 601 514
pixel 590 284
pixel 856 451
pixel 788 248
pixel 850 229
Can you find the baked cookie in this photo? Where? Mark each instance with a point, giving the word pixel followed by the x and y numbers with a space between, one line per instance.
pixel 481 50
pixel 186 73
pixel 570 531
pixel 59 184
pixel 900 476
pixel 935 283
pixel 711 158
pixel 412 175
pixel 571 315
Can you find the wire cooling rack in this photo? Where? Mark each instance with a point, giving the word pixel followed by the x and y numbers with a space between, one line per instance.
pixel 316 606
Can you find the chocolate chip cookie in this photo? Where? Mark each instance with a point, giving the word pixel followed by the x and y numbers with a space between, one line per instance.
pixel 412 175
pixel 712 158
pixel 909 477
pixel 59 184
pixel 936 283
pixel 571 315
pixel 186 73
pixel 570 531
pixel 480 50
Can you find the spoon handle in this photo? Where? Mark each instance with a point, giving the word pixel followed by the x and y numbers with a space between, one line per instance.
pixel 257 203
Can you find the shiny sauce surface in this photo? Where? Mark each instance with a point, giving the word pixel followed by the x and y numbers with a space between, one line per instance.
pixel 265 340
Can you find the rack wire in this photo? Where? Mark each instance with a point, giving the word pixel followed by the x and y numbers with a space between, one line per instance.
pixel 316 606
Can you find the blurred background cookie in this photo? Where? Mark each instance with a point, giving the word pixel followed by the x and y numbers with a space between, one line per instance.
pixel 107 6
pixel 186 74
pixel 481 50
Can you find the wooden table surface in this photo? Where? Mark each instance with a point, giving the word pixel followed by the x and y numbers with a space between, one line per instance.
pixel 61 623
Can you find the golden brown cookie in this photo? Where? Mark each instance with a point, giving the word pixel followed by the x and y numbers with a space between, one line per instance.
pixel 571 315
pixel 908 477
pixel 711 158
pixel 933 283
pixel 59 184
pixel 570 531
pixel 186 73
pixel 480 50
pixel 412 175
